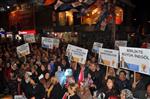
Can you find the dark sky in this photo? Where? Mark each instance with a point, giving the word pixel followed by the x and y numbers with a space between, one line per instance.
pixel 141 11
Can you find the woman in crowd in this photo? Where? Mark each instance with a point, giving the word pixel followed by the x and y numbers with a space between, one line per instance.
pixel 110 73
pixel 84 92
pixel 59 74
pixel 109 89
pixel 55 89
pixel 126 94
pixel 72 92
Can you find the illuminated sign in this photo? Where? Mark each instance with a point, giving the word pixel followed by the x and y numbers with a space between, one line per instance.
pixel 27 32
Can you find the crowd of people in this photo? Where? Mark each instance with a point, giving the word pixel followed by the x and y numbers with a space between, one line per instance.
pixel 40 75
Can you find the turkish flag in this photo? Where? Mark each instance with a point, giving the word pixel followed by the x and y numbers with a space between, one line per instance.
pixel 81 77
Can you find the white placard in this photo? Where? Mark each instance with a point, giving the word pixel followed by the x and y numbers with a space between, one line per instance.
pixel 29 38
pixel 19 97
pixel 47 42
pixel 23 50
pixel 56 42
pixel 96 47
pixel 108 57
pixel 76 54
pixel 135 59
pixel 118 43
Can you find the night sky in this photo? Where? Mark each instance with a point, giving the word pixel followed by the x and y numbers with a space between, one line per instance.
pixel 141 11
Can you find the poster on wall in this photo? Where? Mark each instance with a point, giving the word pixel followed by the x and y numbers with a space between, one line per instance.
pixel 56 42
pixel 96 47
pixel 47 42
pixel 120 43
pixel 23 50
pixel 76 54
pixel 29 38
pixel 135 59
pixel 108 57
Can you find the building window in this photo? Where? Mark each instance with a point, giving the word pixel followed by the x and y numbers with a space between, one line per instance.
pixel 119 15
pixel 66 18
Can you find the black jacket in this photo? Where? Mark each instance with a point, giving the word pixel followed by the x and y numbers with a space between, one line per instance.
pixel 74 97
pixel 56 92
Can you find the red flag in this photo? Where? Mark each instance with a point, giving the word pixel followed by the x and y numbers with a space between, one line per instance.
pixel 81 77
pixel 65 96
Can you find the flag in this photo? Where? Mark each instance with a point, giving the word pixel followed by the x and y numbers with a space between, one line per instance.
pixel 58 4
pixel 81 77
pixel 65 96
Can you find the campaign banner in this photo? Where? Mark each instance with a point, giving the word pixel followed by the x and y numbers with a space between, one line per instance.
pixel 76 54
pixel 29 38
pixel 108 57
pixel 23 50
pixel 47 42
pixel 96 47
pixel 120 43
pixel 56 42
pixel 135 59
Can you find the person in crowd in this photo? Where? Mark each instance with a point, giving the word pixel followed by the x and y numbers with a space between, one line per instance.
pixel 122 82
pixel 55 89
pixel 111 73
pixel 126 94
pixel 84 92
pixel 26 86
pixel 46 82
pixel 76 70
pixel 52 67
pixel 72 92
pixel 86 70
pixel 139 84
pixel 12 84
pixel 144 94
pixel 59 74
pixel 64 64
pixel 96 77
pixel 37 89
pixel 108 90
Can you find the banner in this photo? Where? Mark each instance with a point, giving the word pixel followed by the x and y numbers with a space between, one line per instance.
pixel 96 47
pixel 56 42
pixel 23 50
pixel 135 59
pixel 29 38
pixel 27 32
pixel 47 42
pixel 76 54
pixel 120 43
pixel 108 57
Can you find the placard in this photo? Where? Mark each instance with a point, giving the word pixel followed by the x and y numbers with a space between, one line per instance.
pixel 135 59
pixel 108 57
pixel 76 54
pixel 47 42
pixel 56 42
pixel 29 38
pixel 96 47
pixel 120 43
pixel 23 50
